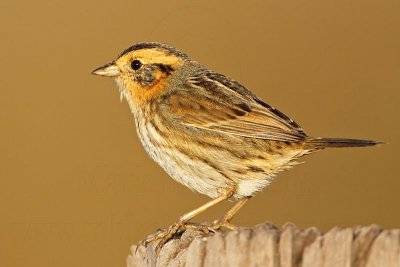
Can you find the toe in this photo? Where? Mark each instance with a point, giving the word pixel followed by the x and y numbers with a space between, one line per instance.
pixel 223 223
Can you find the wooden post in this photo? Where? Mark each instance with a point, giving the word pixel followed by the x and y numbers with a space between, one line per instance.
pixel 265 245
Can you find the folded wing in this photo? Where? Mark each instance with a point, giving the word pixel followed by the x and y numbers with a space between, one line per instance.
pixel 215 103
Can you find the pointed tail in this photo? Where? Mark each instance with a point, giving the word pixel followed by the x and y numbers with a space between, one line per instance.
pixel 321 143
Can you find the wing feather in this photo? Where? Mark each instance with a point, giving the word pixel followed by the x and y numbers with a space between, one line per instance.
pixel 213 102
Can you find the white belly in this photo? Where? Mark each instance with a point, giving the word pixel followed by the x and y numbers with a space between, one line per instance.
pixel 197 176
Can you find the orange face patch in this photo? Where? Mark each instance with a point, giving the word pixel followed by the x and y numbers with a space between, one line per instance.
pixel 139 94
pixel 147 82
pixel 153 91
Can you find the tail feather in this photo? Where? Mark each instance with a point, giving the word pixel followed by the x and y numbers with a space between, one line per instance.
pixel 320 143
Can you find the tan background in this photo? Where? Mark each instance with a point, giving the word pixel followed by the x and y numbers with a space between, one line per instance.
pixel 77 189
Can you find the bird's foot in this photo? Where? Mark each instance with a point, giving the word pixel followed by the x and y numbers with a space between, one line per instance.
pixel 164 235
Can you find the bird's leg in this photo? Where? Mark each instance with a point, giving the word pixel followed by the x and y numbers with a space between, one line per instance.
pixel 225 220
pixel 181 224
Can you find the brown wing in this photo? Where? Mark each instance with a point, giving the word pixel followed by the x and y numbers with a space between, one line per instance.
pixel 216 103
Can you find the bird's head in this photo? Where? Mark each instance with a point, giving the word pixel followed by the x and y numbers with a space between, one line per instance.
pixel 142 70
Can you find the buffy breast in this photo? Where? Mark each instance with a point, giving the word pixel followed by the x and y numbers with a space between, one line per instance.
pixel 207 166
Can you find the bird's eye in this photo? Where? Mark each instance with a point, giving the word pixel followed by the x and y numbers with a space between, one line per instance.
pixel 136 64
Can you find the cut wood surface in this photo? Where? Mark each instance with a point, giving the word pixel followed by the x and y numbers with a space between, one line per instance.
pixel 266 245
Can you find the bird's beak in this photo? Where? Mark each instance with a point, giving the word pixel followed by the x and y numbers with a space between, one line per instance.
pixel 109 70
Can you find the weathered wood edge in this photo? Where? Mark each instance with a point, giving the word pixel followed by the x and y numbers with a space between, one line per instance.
pixel 266 245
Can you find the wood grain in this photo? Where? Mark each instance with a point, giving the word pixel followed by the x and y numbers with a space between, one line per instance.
pixel 266 245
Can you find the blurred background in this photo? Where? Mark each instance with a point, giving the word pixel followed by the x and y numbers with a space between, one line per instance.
pixel 76 187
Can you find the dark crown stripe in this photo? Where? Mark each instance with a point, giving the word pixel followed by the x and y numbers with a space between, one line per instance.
pixel 153 45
